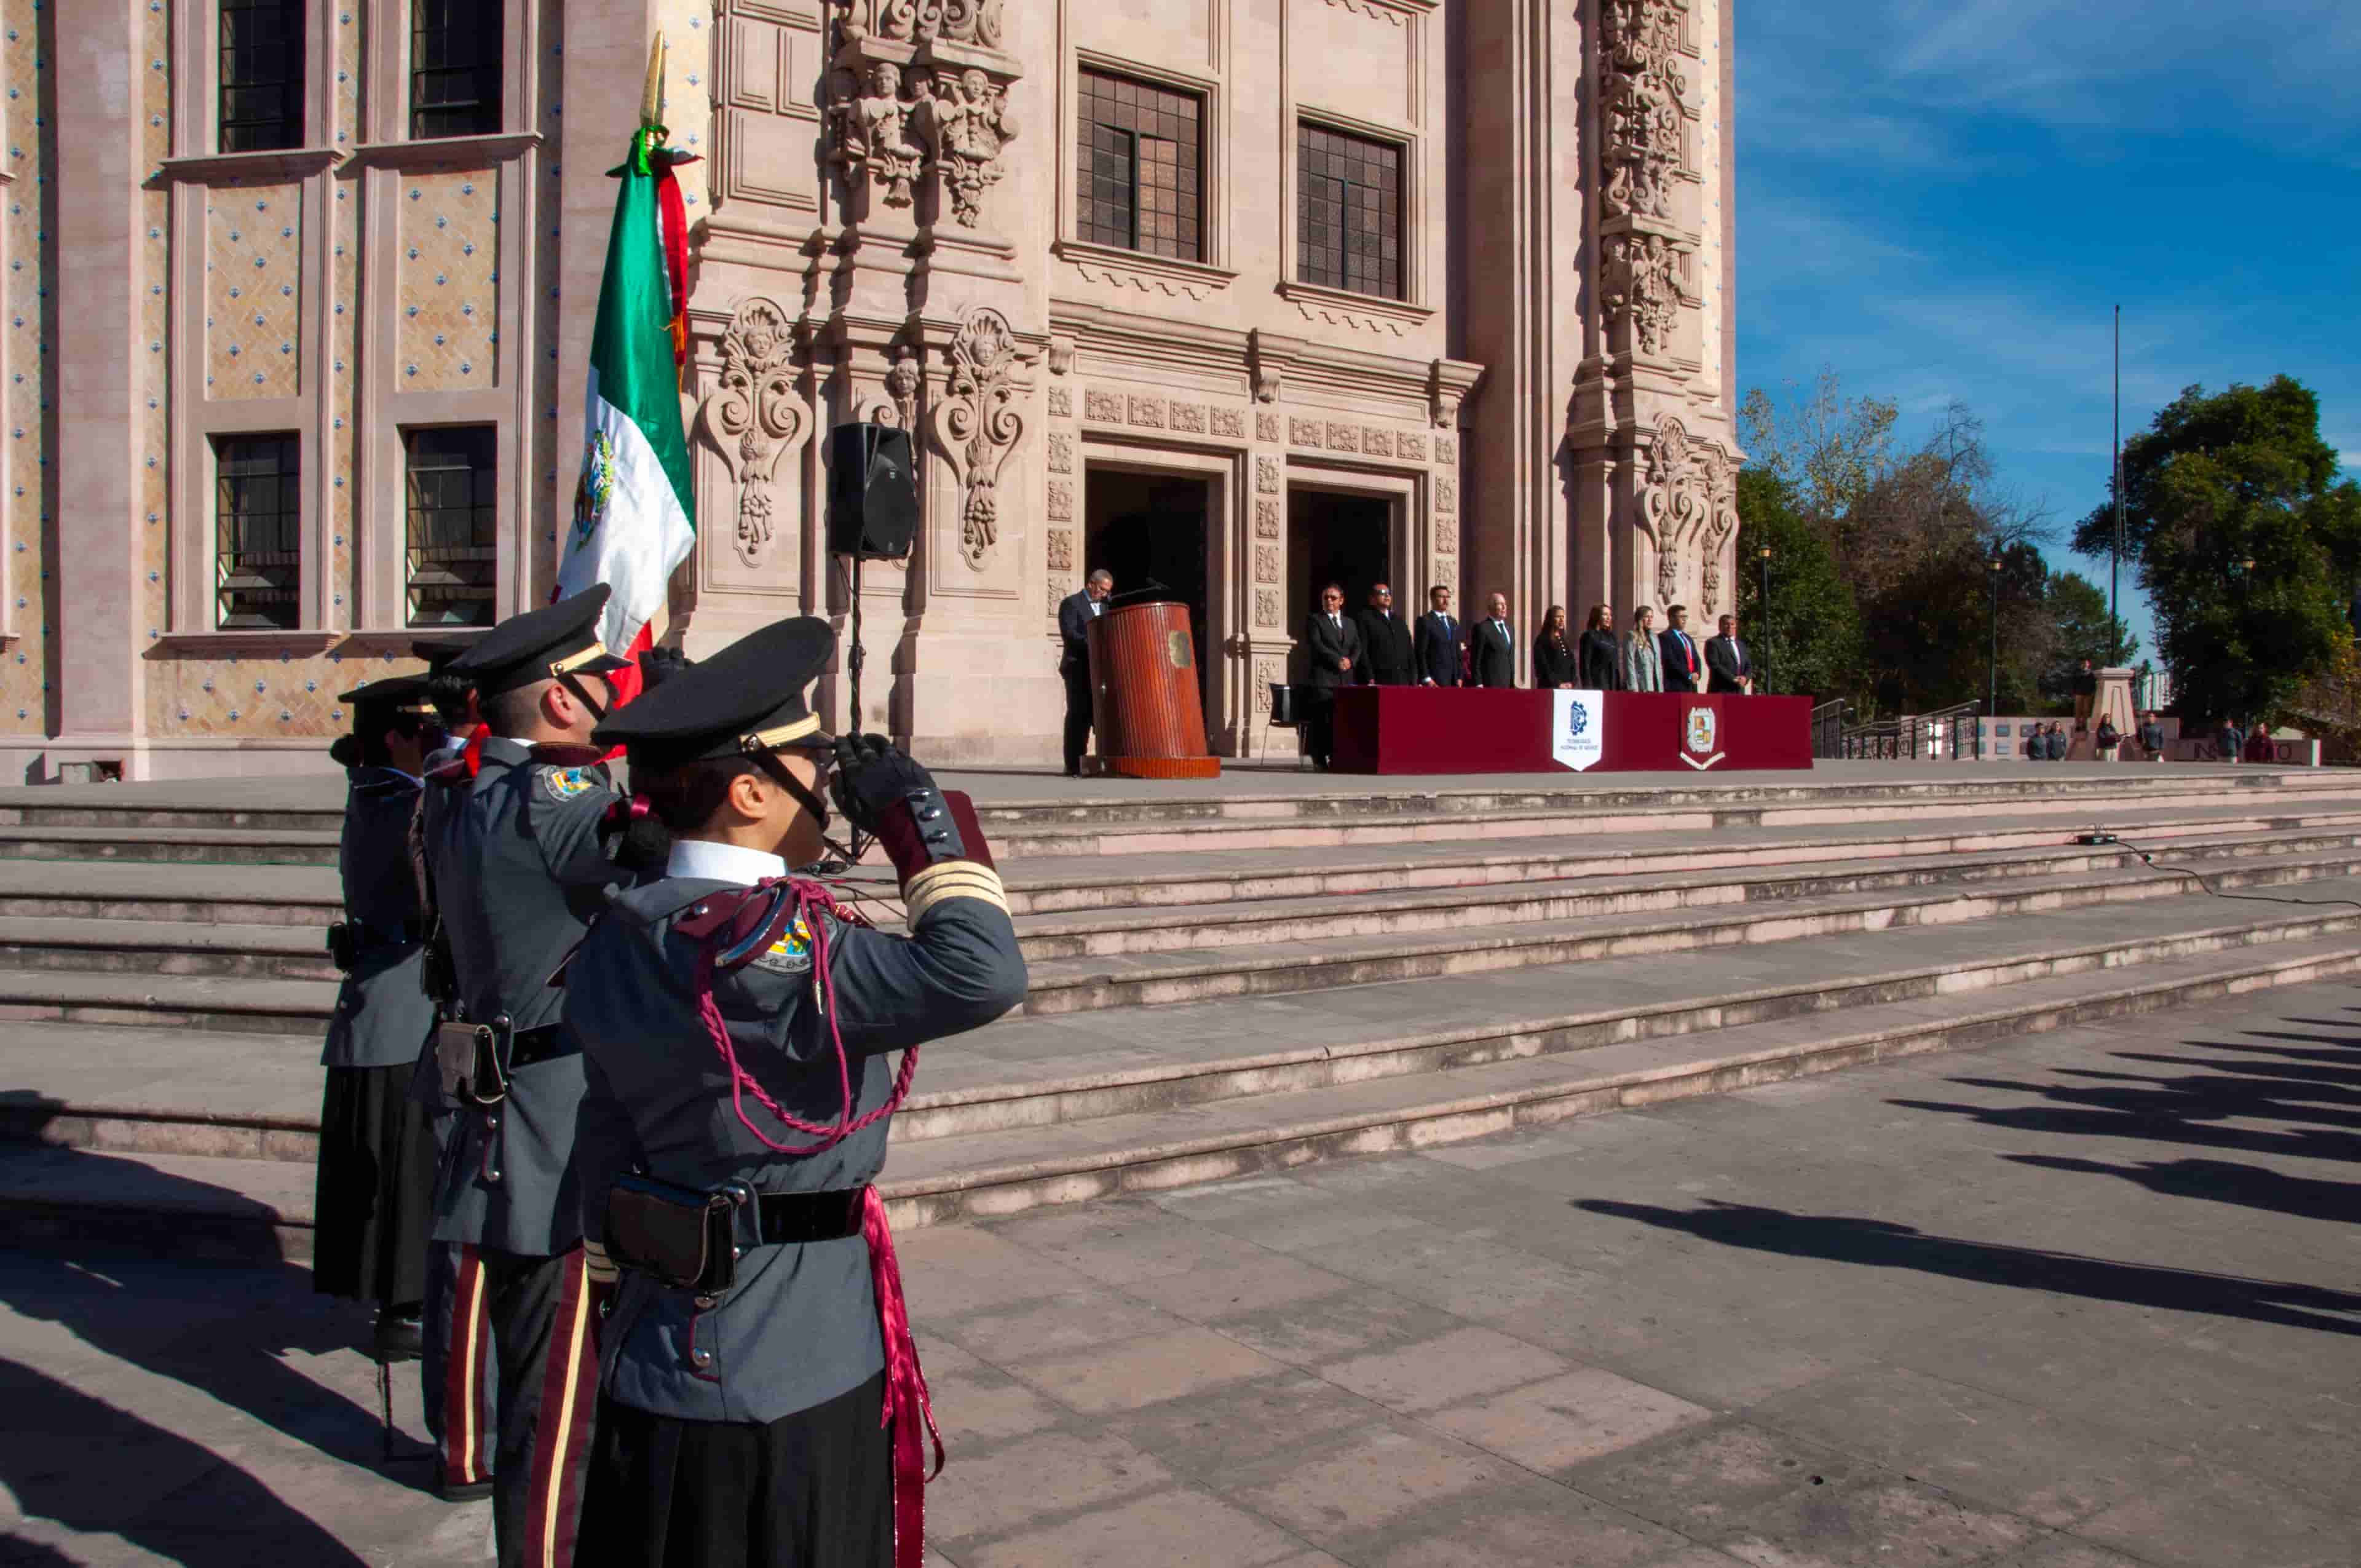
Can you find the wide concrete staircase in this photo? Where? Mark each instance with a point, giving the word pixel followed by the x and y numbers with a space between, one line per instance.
pixel 1232 980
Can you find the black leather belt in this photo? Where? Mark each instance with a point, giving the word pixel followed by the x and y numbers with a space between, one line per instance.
pixel 530 1047
pixel 811 1216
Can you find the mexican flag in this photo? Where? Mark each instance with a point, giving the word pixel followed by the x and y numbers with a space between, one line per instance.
pixel 635 515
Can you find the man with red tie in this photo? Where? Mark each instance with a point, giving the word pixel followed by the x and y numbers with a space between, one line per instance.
pixel 1684 664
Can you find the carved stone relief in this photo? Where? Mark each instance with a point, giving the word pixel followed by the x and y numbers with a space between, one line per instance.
pixel 1266 606
pixel 1410 446
pixel 1643 290
pixel 1147 414
pixel 923 21
pixel 1061 549
pixel 1688 506
pixel 1644 92
pixel 977 424
pixel 1060 501
pixel 1187 418
pixel 1267 673
pixel 1265 519
pixel 1061 452
pixel 1343 437
pixel 1266 475
pixel 1446 495
pixel 1265 425
pixel 966 121
pixel 1265 562
pixel 1104 408
pixel 752 417
pixel 1376 443
pixel 1447 449
pixel 1230 422
pixel 873 137
pixel 1062 403
pixel 1304 432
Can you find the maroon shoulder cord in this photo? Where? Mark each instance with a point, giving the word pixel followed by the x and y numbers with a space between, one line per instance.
pixel 907 1402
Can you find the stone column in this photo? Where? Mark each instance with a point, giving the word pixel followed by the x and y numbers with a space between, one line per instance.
pixel 99 416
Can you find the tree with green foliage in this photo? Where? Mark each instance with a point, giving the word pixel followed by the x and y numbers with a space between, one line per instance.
pixel 2248 543
pixel 2083 629
pixel 1807 638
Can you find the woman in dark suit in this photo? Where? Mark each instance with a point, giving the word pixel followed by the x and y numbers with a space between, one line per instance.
pixel 1554 657
pixel 1601 658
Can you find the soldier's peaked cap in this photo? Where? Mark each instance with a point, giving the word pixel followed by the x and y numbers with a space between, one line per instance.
pixel 439 652
pixel 746 699
pixel 402 694
pixel 540 644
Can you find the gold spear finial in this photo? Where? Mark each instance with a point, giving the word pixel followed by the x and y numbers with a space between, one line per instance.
pixel 652 96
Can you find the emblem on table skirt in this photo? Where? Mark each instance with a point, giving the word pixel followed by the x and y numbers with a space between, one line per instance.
pixel 1697 728
pixel 1577 729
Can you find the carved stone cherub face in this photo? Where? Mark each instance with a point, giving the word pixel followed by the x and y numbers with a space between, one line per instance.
pixel 978 86
pixel 885 79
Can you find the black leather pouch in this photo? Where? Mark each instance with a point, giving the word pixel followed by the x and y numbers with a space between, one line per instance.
pixel 469 1057
pixel 679 1236
pixel 343 946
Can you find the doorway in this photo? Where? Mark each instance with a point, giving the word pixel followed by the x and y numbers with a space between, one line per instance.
pixel 1334 536
pixel 1152 527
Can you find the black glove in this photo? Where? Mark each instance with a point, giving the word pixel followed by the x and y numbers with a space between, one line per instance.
pixel 872 773
pixel 884 793
pixel 658 665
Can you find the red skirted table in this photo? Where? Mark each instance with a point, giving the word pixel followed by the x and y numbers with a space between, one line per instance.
pixel 1440 729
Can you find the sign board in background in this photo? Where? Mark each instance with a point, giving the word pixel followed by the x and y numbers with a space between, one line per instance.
pixel 1577 729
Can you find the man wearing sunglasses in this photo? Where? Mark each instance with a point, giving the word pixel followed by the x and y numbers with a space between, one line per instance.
pixel 1385 655
pixel 520 853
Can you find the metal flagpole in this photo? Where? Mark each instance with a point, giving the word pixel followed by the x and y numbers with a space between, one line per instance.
pixel 2115 569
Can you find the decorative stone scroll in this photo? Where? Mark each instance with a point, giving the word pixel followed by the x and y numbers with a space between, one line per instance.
pixel 1688 501
pixel 979 423
pixel 922 21
pixel 753 417
pixel 1644 91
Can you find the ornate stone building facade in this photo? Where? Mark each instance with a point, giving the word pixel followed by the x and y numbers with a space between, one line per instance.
pixel 1241 295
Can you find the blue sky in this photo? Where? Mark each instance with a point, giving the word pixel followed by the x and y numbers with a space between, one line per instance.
pixel 1946 198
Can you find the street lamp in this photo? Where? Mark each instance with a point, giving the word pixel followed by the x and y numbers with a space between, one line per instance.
pixel 1991 667
pixel 1762 684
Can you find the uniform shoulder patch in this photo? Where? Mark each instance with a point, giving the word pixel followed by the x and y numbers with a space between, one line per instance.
pixel 791 954
pixel 564 784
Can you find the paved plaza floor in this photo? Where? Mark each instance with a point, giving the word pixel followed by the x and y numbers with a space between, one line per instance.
pixel 2074 1300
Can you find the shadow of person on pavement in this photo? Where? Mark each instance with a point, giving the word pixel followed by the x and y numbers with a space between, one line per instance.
pixel 2223 1181
pixel 97 1469
pixel 1881 1243
pixel 229 1329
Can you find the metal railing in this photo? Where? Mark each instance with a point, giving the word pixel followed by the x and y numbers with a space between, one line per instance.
pixel 1945 734
pixel 1828 727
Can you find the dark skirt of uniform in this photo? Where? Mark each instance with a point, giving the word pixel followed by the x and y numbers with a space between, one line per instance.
pixel 375 1202
pixel 810 1490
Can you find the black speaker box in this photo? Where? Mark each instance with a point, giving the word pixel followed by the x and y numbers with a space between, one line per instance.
pixel 872 499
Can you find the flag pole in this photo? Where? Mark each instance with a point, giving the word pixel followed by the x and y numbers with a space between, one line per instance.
pixel 2115 569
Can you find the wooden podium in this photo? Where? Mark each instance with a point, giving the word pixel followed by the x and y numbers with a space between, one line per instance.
pixel 1146 701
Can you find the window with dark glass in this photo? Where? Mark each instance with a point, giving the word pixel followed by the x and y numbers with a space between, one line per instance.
pixel 454 520
pixel 455 68
pixel 260 103
pixel 258 523
pixel 1140 153
pixel 1348 212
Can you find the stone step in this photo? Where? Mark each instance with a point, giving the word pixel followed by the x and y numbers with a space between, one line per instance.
pixel 1115 826
pixel 79 973
pixel 1008 800
pixel 1662 811
pixel 246 1096
pixel 1066 883
pixel 211 1206
pixel 232 846
pixel 1116 932
pixel 1151 979
pixel 309 896
pixel 168 941
pixel 934 1180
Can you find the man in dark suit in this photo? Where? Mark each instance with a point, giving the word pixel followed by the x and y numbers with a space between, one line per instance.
pixel 1729 666
pixel 1075 614
pixel 1436 658
pixel 1684 664
pixel 1385 656
pixel 1492 648
pixel 1332 655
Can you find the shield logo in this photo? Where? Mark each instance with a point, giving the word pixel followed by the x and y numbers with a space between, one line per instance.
pixel 1698 735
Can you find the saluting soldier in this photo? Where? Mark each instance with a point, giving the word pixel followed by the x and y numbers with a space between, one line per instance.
pixel 519 868
pixel 734 1028
pixel 375 1186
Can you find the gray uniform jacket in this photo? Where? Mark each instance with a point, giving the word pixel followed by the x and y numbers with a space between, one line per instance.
pixel 800 1325
pixel 519 873
pixel 382 1016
